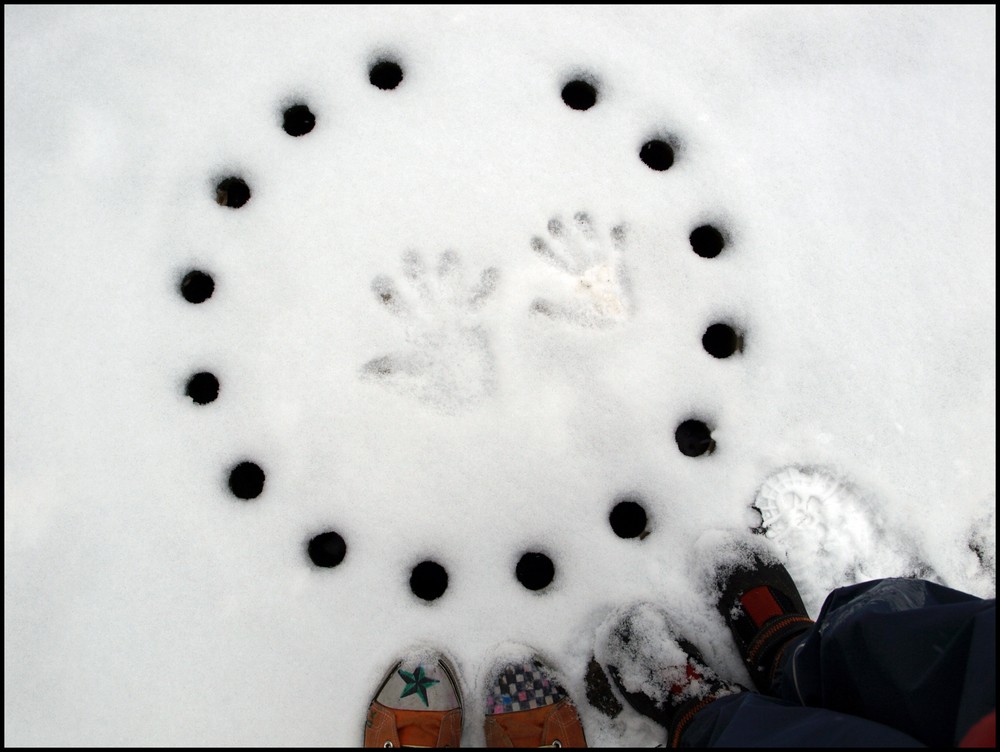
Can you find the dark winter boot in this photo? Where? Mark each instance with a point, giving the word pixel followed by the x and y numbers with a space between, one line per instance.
pixel 661 676
pixel 764 611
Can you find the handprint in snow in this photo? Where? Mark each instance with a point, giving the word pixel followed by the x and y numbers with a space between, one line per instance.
pixel 448 364
pixel 596 291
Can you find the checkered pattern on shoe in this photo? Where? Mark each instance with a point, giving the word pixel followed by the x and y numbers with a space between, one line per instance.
pixel 522 687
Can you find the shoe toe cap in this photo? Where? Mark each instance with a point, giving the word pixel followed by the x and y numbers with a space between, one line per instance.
pixel 423 683
pixel 523 685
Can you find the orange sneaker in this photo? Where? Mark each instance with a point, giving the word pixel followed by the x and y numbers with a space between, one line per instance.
pixel 527 707
pixel 418 704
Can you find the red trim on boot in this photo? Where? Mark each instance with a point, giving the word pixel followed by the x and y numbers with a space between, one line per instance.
pixel 760 605
pixel 691 675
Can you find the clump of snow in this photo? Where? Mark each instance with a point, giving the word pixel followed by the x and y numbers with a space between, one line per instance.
pixel 641 644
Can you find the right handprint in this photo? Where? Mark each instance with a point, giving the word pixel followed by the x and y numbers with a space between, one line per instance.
pixel 596 293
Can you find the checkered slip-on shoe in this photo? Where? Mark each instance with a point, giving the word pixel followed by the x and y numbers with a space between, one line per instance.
pixel 527 707
pixel 418 704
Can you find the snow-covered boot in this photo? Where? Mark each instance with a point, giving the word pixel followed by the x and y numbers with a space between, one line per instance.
pixel 764 611
pixel 660 675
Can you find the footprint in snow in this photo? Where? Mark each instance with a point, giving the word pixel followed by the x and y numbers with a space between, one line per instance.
pixel 829 535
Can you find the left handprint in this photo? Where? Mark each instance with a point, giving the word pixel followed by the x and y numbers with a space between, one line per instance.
pixel 449 364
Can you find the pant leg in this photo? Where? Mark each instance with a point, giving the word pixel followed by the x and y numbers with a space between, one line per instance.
pixel 752 720
pixel 910 654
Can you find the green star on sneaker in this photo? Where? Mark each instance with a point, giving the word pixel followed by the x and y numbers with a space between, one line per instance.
pixel 418 703
pixel 417 683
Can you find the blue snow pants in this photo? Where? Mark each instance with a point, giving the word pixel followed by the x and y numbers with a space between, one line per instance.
pixel 894 662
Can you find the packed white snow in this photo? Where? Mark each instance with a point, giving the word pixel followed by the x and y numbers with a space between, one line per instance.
pixel 458 321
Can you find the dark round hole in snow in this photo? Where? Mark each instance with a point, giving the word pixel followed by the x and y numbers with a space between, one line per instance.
pixel 232 192
pixel 694 438
pixel 535 570
pixel 298 120
pixel 327 549
pixel 721 341
pixel 628 519
pixel 707 241
pixel 385 74
pixel 579 95
pixel 197 287
pixel 202 388
pixel 428 580
pixel 658 155
pixel 246 480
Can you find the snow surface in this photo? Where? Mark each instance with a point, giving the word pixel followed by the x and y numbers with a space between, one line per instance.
pixel 847 153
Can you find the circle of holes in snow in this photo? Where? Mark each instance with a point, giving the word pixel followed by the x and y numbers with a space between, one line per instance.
pixel 657 155
pixel 327 549
pixel 246 480
pixel 535 570
pixel 694 438
pixel 707 241
pixel 232 192
pixel 628 519
pixel 385 74
pixel 202 388
pixel 428 580
pixel 197 287
pixel 298 120
pixel 721 341
pixel 579 94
